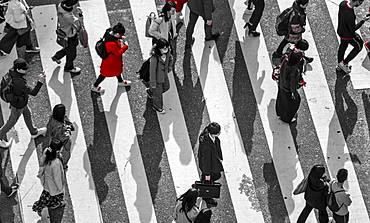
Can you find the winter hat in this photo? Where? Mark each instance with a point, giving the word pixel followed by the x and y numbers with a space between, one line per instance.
pixel 20 64
pixel 119 28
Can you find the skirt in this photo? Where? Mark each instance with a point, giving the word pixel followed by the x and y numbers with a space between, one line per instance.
pixel 46 200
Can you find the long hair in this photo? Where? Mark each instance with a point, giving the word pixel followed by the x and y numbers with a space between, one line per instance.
pixel 188 199
pixel 166 8
pixel 160 44
pixel 59 112
pixel 212 128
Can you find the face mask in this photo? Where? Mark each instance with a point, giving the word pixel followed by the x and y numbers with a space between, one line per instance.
pixel 164 50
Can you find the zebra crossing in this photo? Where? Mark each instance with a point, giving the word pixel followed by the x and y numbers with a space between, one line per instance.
pixel 180 153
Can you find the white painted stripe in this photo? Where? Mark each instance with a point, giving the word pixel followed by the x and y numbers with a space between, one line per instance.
pixel 360 76
pixel 327 126
pixel 279 138
pixel 174 131
pixel 22 153
pixel 220 110
pixel 80 183
pixel 119 118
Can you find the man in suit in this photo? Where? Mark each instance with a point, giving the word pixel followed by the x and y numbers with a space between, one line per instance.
pixel 203 8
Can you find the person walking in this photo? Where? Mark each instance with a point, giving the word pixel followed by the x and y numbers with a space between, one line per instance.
pixel 297 22
pixel 342 197
pixel 186 209
pixel 210 155
pixel 255 18
pixel 347 27
pixel 203 8
pixel 60 128
pixel 69 22
pixel 17 29
pixel 316 194
pixel 4 187
pixel 19 101
pixel 160 66
pixel 112 66
pixel 163 26
pixel 52 178
pixel 178 15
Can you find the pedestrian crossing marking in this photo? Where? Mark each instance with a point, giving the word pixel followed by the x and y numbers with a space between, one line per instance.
pixel 60 90
pixel 125 145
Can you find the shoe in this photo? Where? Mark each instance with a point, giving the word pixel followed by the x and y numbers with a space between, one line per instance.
pixel 344 67
pixel 159 110
pixel 2 53
pixel 187 45
pixel 308 59
pixel 61 204
pixel 254 33
pixel 213 37
pixel 210 201
pixel 14 190
pixel 276 55
pixel 150 93
pixel 55 60
pixel 97 89
pixel 125 83
pixel 74 70
pixel 40 131
pixel 33 50
pixel 5 144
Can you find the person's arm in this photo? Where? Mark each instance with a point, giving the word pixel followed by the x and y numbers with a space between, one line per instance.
pixel 361 22
pixel 154 28
pixel 36 89
pixel 153 72
pixel 115 49
pixel 57 172
pixel 208 9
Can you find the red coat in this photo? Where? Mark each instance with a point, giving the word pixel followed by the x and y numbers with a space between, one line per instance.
pixel 179 4
pixel 113 65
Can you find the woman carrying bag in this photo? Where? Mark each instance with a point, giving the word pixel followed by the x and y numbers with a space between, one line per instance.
pixel 186 209
pixel 52 178
pixel 18 29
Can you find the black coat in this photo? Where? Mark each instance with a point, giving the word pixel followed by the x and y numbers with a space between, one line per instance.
pixel 203 8
pixel 210 155
pixel 316 193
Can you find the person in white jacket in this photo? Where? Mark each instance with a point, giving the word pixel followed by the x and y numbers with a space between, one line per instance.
pixel 18 28
pixel 52 178
pixel 342 197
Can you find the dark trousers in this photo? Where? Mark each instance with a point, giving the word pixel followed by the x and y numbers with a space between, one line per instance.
pixel 70 52
pixel 4 187
pixel 259 5
pixel 323 215
pixel 101 79
pixel 286 107
pixel 12 37
pixel 357 44
pixel 190 29
pixel 158 92
pixel 281 46
pixel 214 176
pixel 341 218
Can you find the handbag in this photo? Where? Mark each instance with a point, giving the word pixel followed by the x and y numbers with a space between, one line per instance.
pixel 83 37
pixel 208 190
pixel 301 187
pixel 149 21
pixel 62 39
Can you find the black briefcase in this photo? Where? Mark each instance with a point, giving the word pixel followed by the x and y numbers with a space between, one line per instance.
pixel 208 190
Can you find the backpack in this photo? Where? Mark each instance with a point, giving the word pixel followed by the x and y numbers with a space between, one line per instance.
pixel 144 71
pixel 282 21
pixel 332 201
pixel 6 88
pixel 149 20
pixel 100 46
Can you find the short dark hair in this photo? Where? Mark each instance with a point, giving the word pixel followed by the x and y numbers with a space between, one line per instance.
pixel 59 112
pixel 214 128
pixel 119 28
pixel 342 175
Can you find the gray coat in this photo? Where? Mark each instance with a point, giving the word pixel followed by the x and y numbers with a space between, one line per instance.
pixel 203 8
pixel 159 69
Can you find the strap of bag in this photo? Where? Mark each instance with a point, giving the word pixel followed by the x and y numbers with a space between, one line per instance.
pixel 187 217
pixel 331 189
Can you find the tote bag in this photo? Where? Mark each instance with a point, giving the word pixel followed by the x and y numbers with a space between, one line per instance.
pixel 301 187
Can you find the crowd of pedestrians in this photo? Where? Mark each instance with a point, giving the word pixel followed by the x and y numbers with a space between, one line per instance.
pixel 164 29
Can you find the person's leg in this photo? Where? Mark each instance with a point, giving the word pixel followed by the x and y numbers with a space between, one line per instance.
pixel 278 103
pixel 190 29
pixel 257 13
pixel 13 118
pixel 99 80
pixel 346 218
pixel 25 40
pixel 323 216
pixel 119 78
pixel 8 40
pixel 71 53
pixel 215 176
pixel 28 120
pixel 339 218
pixel 4 187
pixel 304 214
pixel 157 96
pixel 357 44
pixel 208 30
pixel 281 46
pixel 342 50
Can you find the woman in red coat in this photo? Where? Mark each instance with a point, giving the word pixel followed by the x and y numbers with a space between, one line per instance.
pixel 112 66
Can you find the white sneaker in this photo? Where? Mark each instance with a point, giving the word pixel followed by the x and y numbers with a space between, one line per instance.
pixel 74 70
pixel 97 89
pixel 344 67
pixel 40 131
pixel 125 83
pixel 5 144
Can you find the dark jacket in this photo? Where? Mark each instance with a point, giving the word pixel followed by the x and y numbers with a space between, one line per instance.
pixel 159 69
pixel 297 22
pixel 347 21
pixel 209 155
pixel 21 90
pixel 316 192
pixel 59 130
pixel 203 8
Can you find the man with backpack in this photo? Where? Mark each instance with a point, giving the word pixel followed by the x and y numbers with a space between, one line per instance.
pixel 342 198
pixel 347 32
pixel 20 92
pixel 290 24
